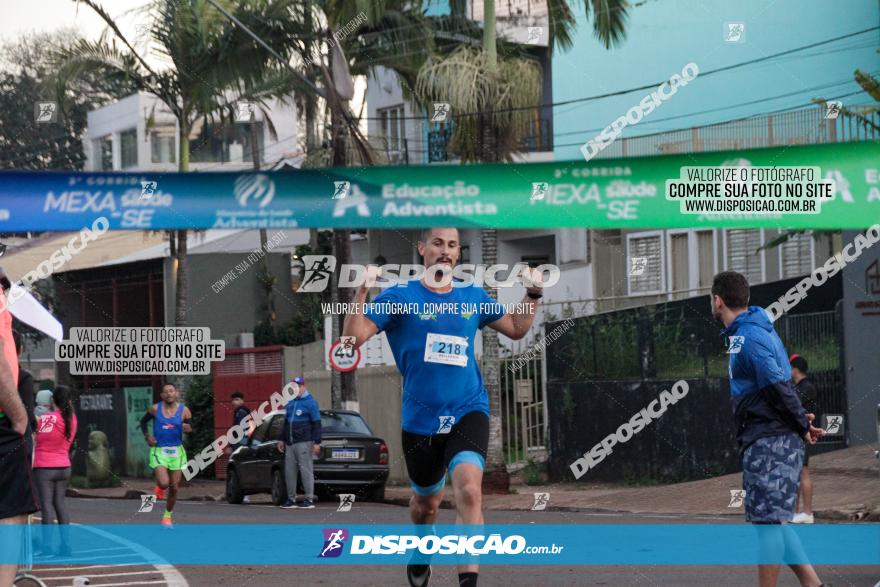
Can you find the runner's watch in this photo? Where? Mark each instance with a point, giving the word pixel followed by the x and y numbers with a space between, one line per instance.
pixel 534 296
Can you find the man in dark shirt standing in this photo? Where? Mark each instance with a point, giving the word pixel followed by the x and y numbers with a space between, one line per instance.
pixel 239 412
pixel 25 384
pixel 809 397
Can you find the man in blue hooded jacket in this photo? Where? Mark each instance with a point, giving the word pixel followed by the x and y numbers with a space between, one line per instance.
pixel 300 438
pixel 771 424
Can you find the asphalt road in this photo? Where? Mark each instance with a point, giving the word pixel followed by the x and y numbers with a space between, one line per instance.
pixel 112 511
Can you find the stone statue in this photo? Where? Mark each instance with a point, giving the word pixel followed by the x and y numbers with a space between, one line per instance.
pixel 98 470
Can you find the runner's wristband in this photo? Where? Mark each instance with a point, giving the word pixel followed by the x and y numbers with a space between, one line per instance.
pixel 534 296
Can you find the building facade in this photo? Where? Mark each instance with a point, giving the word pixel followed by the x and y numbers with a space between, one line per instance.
pixel 139 133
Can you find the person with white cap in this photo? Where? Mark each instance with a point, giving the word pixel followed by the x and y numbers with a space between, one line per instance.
pixel 44 403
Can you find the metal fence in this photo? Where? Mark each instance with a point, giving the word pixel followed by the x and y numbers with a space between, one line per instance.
pixel 818 337
pixel 522 408
pixel 679 340
pixel 807 126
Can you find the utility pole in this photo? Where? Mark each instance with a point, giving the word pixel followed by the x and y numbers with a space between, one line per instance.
pixel 496 479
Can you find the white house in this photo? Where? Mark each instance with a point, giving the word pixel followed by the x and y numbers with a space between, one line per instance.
pixel 139 133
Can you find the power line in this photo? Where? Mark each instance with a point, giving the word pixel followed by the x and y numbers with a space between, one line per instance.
pixel 214 165
pixel 584 99
pixel 654 85
pixel 729 107
pixel 751 116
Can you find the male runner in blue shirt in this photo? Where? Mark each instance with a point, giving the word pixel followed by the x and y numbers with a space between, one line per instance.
pixel 445 405
pixel 167 456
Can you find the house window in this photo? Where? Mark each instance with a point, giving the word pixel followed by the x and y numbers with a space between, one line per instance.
pixel 742 253
pixel 393 127
pixel 224 144
pixel 104 153
pixel 648 276
pixel 705 258
pixel 128 148
pixel 679 262
pixel 535 260
pixel 797 255
pixel 162 144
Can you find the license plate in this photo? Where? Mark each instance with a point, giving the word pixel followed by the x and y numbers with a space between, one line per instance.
pixel 344 453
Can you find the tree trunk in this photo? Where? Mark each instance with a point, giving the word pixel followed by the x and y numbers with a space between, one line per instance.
pixel 264 259
pixel 496 479
pixel 343 386
pixel 347 386
pixel 181 296
pixel 182 282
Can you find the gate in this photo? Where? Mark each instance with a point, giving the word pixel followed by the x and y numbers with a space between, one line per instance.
pixel 523 408
pixel 818 337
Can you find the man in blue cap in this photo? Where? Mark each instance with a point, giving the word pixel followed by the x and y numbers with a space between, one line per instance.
pixel 300 438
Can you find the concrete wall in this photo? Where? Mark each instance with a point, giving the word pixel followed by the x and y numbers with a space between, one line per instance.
pixel 302 358
pixel 236 307
pixel 861 322
pixel 380 391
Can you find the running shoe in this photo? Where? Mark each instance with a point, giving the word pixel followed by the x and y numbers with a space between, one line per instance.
pixel 306 505
pixel 166 522
pixel 159 492
pixel 418 575
pixel 288 505
pixel 802 518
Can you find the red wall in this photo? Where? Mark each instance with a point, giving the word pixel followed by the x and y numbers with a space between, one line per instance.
pixel 255 372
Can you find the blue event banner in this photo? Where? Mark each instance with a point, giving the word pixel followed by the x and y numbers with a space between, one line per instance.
pixel 629 193
pixel 522 544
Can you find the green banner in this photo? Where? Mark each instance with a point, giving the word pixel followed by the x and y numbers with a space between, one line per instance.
pixel 611 193
pixel 137 451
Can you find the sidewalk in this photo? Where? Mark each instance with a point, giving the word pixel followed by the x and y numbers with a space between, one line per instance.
pixel 846 486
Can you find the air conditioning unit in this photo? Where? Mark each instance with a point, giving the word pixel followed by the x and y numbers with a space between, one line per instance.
pixel 246 340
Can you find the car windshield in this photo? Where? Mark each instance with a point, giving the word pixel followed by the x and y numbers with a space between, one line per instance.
pixel 344 423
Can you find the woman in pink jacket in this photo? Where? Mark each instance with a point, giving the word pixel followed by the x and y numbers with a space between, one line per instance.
pixel 56 431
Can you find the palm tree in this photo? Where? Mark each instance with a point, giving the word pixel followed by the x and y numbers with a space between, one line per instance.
pixel 212 66
pixel 387 34
pixel 502 91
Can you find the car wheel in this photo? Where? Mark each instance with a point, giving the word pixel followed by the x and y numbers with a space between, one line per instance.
pixel 234 494
pixel 376 493
pixel 279 488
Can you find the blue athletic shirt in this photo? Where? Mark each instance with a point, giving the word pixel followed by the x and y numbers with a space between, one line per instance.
pixel 440 379
pixel 168 431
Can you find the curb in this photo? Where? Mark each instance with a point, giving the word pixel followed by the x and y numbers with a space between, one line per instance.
pixel 446 504
pixel 136 494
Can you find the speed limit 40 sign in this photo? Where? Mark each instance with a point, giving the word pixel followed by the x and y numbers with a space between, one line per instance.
pixel 343 356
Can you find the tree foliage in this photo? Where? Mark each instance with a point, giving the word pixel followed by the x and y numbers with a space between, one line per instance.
pixel 27 78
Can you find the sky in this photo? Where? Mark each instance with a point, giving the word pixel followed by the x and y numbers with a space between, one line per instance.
pixel 21 16
pixel 48 15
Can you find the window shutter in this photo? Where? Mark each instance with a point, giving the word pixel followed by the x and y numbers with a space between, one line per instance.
pixel 797 256
pixel 652 278
pixel 741 255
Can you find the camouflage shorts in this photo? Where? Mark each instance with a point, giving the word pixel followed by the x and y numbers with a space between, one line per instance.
pixel 771 475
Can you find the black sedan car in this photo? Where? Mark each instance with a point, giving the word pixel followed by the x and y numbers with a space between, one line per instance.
pixel 352 460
